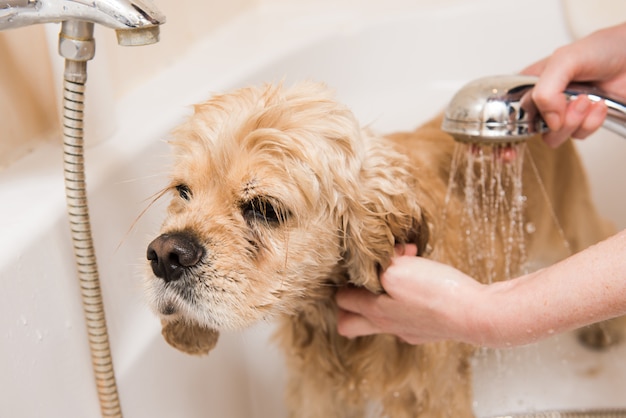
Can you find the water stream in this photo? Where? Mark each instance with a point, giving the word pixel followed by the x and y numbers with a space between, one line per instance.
pixel 489 180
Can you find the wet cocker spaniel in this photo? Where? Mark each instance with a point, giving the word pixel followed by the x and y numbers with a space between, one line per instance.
pixel 280 197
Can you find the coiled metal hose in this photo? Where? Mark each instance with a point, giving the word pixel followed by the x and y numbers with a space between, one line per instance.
pixel 76 40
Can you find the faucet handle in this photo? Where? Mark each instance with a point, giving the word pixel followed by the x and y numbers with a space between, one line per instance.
pixel 135 21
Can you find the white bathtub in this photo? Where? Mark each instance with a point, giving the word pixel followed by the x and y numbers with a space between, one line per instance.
pixel 395 69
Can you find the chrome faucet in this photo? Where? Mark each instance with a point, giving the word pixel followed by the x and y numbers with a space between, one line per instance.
pixel 136 22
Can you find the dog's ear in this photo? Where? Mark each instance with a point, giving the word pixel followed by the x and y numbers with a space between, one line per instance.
pixel 188 337
pixel 381 212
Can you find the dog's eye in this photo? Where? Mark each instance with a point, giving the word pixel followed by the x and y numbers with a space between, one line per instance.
pixel 262 210
pixel 183 191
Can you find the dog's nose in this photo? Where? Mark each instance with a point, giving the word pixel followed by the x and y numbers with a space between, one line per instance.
pixel 171 254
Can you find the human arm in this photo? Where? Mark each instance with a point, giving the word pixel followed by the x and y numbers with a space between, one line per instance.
pixel 428 301
pixel 599 58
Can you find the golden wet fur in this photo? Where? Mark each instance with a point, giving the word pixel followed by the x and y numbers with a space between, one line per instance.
pixel 290 198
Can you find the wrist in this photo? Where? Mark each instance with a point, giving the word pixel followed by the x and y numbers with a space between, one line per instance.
pixel 475 314
pixel 494 319
pixel 509 313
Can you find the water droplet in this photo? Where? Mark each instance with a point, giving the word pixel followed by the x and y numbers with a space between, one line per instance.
pixel 492 217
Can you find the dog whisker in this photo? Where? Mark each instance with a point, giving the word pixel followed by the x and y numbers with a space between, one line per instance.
pixel 155 197
pixel 138 179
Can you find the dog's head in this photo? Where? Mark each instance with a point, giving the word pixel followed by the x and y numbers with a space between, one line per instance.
pixel 279 197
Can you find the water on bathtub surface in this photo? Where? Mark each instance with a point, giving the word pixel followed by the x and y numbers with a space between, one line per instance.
pixel 564 374
pixel 555 374
pixel 489 180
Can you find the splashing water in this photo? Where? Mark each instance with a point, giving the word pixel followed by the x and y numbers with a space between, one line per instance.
pixel 489 180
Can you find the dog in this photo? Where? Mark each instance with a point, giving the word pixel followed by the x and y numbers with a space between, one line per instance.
pixel 280 197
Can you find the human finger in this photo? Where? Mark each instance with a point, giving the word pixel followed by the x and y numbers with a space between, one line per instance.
pixel 559 70
pixel 410 277
pixel 405 249
pixel 575 113
pixel 353 299
pixel 594 120
pixel 353 325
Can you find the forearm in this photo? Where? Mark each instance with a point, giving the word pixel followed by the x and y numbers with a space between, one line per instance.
pixel 587 287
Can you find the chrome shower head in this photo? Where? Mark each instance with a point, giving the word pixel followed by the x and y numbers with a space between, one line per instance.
pixel 498 110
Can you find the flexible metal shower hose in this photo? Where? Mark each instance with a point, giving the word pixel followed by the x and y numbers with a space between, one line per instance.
pixel 78 213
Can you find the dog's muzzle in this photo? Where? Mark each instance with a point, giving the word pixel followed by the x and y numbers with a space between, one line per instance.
pixel 170 255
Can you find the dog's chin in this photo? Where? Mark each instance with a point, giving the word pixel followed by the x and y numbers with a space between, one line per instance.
pixel 175 310
pixel 168 310
pixel 171 306
pixel 166 302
